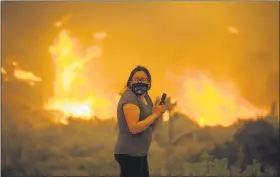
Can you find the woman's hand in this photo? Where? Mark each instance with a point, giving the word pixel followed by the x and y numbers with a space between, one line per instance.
pixel 159 110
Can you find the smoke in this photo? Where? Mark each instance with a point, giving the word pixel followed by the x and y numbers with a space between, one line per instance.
pixel 235 41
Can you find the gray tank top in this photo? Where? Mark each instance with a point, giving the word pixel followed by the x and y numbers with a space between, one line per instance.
pixel 127 143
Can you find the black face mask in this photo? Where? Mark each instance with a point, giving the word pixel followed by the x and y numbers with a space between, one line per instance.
pixel 139 88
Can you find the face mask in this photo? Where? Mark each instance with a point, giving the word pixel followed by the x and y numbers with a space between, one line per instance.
pixel 139 88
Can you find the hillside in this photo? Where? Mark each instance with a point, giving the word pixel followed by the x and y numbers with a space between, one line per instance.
pixel 32 144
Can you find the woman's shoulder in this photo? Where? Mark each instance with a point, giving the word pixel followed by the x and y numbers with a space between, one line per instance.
pixel 128 96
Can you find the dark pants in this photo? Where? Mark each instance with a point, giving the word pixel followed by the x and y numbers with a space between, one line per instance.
pixel 132 166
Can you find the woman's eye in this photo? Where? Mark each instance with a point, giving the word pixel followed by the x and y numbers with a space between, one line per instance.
pixel 140 79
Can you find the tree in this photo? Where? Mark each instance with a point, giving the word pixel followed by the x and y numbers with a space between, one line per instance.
pixel 172 139
pixel 259 140
pixel 227 150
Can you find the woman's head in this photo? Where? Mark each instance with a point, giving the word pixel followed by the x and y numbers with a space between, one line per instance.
pixel 139 80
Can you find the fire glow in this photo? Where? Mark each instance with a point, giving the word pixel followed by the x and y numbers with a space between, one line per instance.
pixel 211 102
pixel 21 74
pixel 203 99
pixel 74 95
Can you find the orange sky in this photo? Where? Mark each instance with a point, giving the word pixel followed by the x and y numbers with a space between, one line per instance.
pixel 173 36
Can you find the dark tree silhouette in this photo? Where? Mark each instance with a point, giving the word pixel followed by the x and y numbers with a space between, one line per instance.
pixel 227 150
pixel 259 140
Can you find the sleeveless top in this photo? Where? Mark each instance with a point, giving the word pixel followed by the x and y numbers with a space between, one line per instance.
pixel 127 143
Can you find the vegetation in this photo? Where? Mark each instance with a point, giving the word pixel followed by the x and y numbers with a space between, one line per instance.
pixel 33 145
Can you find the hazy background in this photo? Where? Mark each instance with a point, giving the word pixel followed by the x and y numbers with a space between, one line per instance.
pixel 159 35
pixel 235 42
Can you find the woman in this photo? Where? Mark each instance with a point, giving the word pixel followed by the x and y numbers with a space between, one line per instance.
pixel 136 119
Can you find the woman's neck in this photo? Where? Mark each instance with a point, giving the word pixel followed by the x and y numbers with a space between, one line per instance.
pixel 142 96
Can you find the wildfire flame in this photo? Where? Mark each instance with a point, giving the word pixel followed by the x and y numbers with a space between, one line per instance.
pixel 25 75
pixel 74 95
pixel 21 74
pixel 211 102
pixel 207 101
pixel 3 71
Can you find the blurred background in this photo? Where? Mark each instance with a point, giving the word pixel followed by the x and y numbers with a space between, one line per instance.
pixel 65 64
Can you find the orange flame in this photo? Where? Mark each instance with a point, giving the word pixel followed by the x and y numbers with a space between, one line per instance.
pixel 21 74
pixel 207 101
pixel 73 93
pixel 210 102
pixel 26 75
pixel 3 71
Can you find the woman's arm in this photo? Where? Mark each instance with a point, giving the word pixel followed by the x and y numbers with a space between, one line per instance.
pixel 132 113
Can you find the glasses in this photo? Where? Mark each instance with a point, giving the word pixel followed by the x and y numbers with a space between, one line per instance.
pixel 140 79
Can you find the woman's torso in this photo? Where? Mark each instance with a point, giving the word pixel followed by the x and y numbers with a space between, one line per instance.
pixel 127 143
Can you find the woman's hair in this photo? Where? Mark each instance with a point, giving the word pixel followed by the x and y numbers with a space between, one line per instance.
pixel 139 68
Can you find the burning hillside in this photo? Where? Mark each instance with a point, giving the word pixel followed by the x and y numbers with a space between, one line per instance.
pixel 212 102
pixel 199 95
